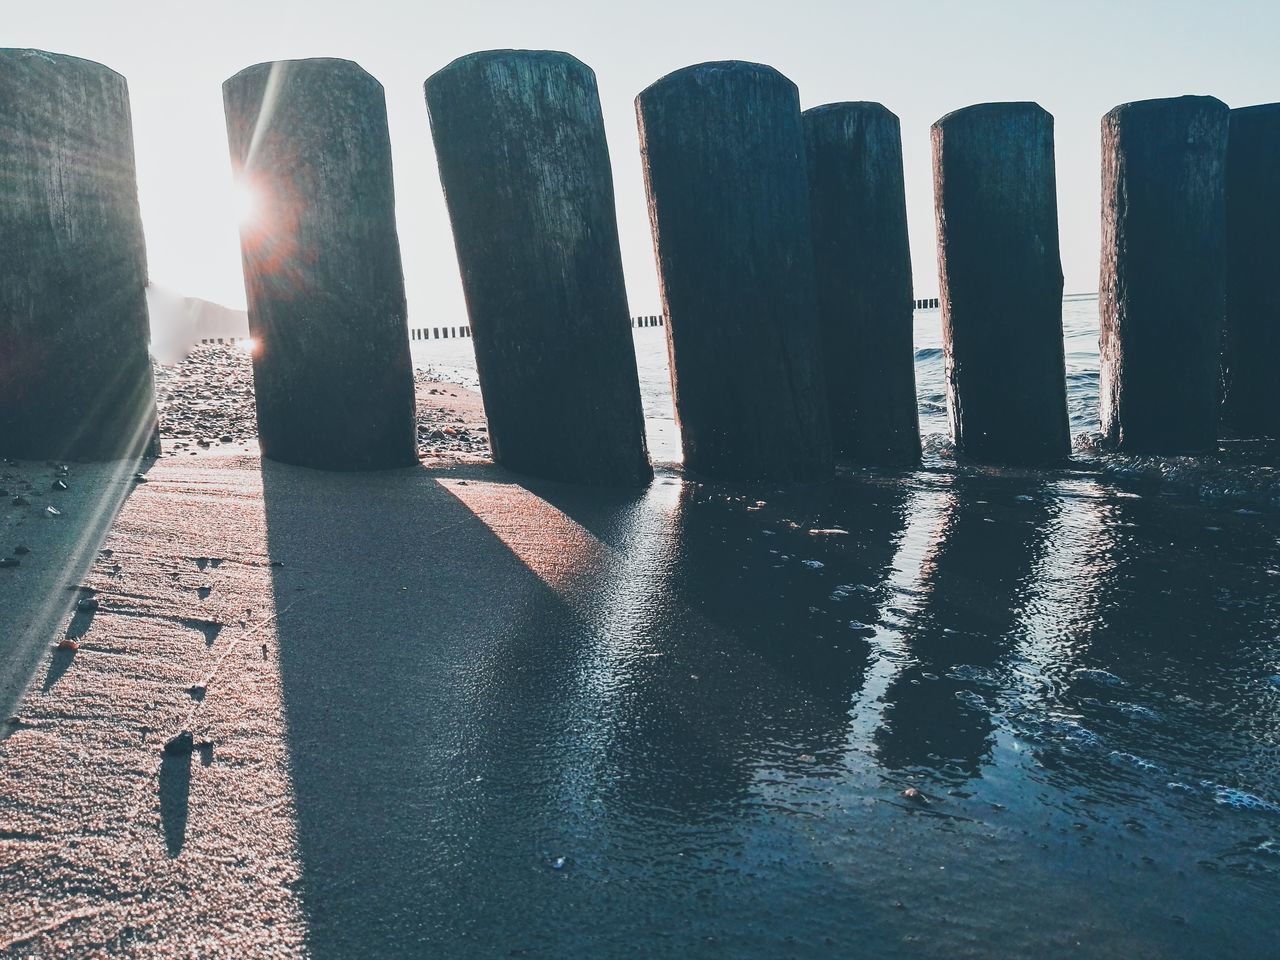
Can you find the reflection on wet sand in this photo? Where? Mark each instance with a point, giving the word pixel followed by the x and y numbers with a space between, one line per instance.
pixel 974 585
pixel 554 715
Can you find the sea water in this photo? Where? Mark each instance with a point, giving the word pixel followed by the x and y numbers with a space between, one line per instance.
pixel 454 361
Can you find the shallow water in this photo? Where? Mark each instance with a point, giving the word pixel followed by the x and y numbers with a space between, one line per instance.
pixel 454 361
pixel 1078 670
pixel 684 725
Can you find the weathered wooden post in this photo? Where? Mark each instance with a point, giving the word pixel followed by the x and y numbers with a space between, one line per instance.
pixel 1250 407
pixel 862 262
pixel 524 163
pixel 1161 294
pixel 332 373
pixel 996 207
pixel 75 375
pixel 723 151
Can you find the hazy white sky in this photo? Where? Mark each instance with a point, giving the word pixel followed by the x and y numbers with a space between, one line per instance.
pixel 922 59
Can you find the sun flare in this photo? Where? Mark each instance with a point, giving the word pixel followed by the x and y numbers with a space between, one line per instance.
pixel 245 203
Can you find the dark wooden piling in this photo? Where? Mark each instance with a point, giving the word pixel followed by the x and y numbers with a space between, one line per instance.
pixel 332 373
pixel 75 374
pixel 862 264
pixel 1161 293
pixel 996 208
pixel 1252 343
pixel 525 167
pixel 723 151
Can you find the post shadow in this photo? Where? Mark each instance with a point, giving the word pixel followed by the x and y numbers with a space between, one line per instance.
pixel 978 577
pixel 457 724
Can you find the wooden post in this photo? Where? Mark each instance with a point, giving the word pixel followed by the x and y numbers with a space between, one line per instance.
pixel 1161 294
pixel 1250 406
pixel 723 151
pixel 997 217
pixel 525 167
pixel 75 375
pixel 332 372
pixel 863 267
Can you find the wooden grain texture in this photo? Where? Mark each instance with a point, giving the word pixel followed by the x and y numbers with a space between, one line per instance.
pixel 525 167
pixel 862 262
pixel 723 151
pixel 996 208
pixel 75 374
pixel 1251 407
pixel 1161 291
pixel 332 372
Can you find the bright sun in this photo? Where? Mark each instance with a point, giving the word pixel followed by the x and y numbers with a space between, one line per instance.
pixel 245 200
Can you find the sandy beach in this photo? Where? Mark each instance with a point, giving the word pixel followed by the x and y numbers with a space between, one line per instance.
pixel 450 711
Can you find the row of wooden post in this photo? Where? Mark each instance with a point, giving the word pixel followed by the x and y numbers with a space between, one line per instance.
pixel 783 262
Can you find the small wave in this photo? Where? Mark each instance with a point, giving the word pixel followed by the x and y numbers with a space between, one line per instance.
pixel 928 353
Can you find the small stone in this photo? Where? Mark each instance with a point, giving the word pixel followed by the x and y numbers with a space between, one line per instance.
pixel 88 603
pixel 67 643
pixel 139 478
pixel 911 793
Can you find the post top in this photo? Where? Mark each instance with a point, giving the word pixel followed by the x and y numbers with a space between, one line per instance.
pixel 1188 101
pixel 989 111
pixel 17 54
pixel 844 108
pixel 714 69
pixel 335 64
pixel 1257 110
pixel 512 56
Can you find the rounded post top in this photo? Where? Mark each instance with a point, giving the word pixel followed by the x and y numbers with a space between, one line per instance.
pixel 844 108
pixel 715 71
pixel 986 112
pixel 1164 104
pixel 15 55
pixel 1257 111
pixel 513 57
pixel 331 65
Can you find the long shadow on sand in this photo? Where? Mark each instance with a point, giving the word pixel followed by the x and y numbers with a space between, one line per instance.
pixel 532 719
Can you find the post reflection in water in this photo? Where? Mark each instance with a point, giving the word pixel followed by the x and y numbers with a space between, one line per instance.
pixel 567 721
pixel 974 589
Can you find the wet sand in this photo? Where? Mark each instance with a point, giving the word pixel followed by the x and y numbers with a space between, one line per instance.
pixel 447 711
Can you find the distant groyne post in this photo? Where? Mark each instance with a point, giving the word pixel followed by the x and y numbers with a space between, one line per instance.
pixel 332 372
pixel 520 141
pixel 995 203
pixel 75 374
pixel 862 265
pixel 1161 293
pixel 724 164
pixel 1252 341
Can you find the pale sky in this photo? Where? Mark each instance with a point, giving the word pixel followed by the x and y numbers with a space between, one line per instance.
pixel 921 59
